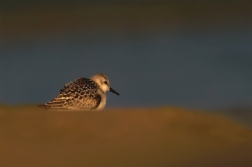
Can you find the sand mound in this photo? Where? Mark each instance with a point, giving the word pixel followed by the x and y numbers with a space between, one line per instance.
pixel 121 137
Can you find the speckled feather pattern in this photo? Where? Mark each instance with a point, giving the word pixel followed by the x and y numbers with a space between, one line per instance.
pixel 80 94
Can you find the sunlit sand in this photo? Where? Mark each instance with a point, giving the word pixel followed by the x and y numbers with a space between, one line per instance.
pixel 165 136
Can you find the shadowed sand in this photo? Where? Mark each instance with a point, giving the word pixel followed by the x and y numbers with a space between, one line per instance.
pixel 121 137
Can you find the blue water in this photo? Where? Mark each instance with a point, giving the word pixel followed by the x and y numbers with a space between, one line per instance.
pixel 197 69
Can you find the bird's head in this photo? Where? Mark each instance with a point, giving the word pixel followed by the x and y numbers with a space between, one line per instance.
pixel 103 82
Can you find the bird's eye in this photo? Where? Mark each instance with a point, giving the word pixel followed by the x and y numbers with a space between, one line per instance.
pixel 106 82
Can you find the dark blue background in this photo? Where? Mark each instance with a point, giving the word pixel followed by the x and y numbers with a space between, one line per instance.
pixel 198 69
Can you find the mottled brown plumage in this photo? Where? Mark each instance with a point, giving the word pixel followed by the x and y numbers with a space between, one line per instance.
pixel 82 94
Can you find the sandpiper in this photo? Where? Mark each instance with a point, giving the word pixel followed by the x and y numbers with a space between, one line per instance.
pixel 82 94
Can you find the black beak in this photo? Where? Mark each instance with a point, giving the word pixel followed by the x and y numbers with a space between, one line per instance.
pixel 112 90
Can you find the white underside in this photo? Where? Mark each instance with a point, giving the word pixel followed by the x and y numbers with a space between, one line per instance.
pixel 103 101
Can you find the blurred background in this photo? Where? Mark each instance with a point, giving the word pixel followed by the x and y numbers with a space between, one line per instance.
pixel 194 54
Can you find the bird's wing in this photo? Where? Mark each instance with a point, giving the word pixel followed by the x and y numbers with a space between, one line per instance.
pixel 80 94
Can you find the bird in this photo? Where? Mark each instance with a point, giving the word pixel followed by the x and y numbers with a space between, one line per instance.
pixel 82 94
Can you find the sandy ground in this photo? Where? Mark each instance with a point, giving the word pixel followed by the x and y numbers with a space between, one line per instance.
pixel 158 137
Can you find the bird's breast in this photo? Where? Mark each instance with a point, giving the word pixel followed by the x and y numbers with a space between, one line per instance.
pixel 103 100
